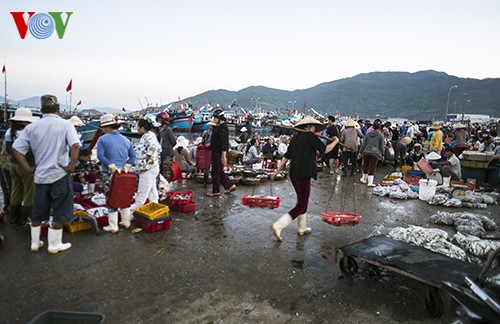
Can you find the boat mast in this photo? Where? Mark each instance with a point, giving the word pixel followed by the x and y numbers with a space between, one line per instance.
pixel 4 70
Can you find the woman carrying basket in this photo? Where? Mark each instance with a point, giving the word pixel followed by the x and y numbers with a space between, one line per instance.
pixel 302 155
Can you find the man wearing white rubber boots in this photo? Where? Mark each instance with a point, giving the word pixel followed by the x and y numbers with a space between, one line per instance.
pixel 50 139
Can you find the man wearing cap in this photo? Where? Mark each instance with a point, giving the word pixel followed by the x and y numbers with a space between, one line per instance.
pixel 50 140
pixel 116 153
pixel 219 145
pixel 167 141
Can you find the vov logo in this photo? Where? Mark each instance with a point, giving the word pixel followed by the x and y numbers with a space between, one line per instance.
pixel 41 25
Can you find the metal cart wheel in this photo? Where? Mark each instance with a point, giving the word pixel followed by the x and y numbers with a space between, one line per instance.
pixel 433 301
pixel 348 265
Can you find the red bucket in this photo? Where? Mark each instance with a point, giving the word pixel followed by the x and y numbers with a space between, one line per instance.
pixel 340 218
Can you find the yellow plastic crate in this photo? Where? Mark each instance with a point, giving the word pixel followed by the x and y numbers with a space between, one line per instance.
pixel 153 211
pixel 76 226
pixel 391 177
pixel 405 168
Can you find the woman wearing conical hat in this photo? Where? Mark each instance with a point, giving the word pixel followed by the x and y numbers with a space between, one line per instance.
pixel 461 137
pixel 302 155
pixel 436 144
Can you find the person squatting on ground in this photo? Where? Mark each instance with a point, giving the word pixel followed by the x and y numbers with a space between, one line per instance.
pixel 350 138
pixel 302 155
pixel 147 164
pixel 371 150
pixel 167 141
pixel 219 145
pixel 116 153
pixel 181 155
pixel 50 140
pixel 22 189
pixel 251 155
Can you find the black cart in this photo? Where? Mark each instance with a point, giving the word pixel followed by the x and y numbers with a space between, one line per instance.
pixel 411 261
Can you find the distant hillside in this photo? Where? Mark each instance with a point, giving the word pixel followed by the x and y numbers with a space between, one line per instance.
pixel 388 94
pixel 420 95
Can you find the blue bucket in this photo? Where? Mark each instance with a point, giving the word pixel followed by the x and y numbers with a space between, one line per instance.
pixel 417 173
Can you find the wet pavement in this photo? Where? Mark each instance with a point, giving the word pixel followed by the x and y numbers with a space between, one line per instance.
pixel 221 264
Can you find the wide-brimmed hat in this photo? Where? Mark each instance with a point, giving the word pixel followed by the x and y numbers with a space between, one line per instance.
pixel 198 141
pixel 23 115
pixel 308 120
pixel 459 125
pixel 432 156
pixel 182 142
pixel 350 123
pixel 408 123
pixel 435 126
pixel 406 140
pixel 243 129
pixel 108 120
pixel 287 123
pixel 76 121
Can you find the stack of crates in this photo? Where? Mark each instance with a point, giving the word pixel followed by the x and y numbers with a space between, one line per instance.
pixel 153 217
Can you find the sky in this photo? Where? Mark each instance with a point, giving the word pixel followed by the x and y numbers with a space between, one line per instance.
pixel 122 52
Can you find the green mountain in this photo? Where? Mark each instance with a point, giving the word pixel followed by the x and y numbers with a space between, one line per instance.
pixel 420 95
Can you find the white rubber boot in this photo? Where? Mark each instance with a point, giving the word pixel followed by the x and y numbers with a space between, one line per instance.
pixel 363 178
pixel 370 181
pixel 302 227
pixel 55 241
pixel 36 244
pixel 113 223
pixel 125 216
pixel 280 224
pixel 90 188
pixel 446 181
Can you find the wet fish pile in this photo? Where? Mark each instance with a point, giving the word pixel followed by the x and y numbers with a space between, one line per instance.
pixel 430 238
pixel 465 223
pixel 476 246
pixel 399 190
pixel 470 199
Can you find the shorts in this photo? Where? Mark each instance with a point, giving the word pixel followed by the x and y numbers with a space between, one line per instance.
pixel 57 196
pixel 333 154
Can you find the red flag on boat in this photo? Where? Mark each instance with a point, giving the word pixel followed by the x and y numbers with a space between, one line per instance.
pixel 79 103
pixel 123 109
pixel 3 69
pixel 70 85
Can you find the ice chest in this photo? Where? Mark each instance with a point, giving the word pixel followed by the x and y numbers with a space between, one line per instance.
pixel 121 190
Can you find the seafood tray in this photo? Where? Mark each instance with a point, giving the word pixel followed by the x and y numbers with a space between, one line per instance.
pixel 153 211
pixel 250 181
pixel 180 197
pixel 340 218
pixel 262 202
pixel 191 206
pixel 412 180
pixel 76 226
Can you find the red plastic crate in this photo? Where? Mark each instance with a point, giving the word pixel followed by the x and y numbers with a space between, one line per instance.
pixel 262 202
pixel 153 226
pixel 340 218
pixel 203 157
pixel 184 208
pixel 121 190
pixel 412 180
pixel 467 185
pixel 102 221
pixel 173 198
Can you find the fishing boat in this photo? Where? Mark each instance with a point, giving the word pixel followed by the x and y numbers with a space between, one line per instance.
pixel 200 122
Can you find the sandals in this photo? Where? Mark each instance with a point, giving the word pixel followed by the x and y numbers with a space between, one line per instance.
pixel 231 189
pixel 213 194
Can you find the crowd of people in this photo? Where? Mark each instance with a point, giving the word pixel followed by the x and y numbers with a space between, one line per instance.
pixel 44 162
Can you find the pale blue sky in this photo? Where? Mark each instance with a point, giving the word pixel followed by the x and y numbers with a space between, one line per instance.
pixel 117 52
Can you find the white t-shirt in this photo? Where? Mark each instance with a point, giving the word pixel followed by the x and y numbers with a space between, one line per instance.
pixel 455 165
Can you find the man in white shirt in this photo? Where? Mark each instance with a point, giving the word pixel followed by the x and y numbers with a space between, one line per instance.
pixel 49 139
pixel 450 167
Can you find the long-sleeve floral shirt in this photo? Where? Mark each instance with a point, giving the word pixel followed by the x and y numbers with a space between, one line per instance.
pixel 148 152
